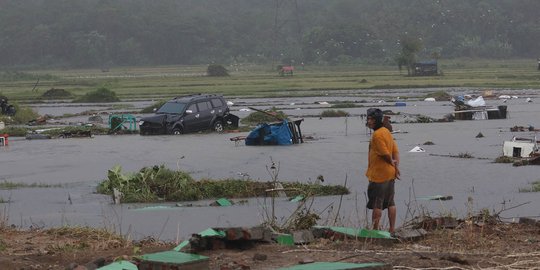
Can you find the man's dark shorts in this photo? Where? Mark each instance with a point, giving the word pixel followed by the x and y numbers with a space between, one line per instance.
pixel 380 195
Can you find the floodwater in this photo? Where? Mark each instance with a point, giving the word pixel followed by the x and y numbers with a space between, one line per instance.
pixel 338 152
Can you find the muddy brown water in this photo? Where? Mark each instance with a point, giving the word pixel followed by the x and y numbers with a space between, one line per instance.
pixel 338 151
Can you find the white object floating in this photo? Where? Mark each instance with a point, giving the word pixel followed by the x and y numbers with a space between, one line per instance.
pixel 230 103
pixel 529 99
pixel 323 102
pixel 514 97
pixel 245 110
pixel 417 149
pixel 429 99
pixel 292 104
pixel 504 97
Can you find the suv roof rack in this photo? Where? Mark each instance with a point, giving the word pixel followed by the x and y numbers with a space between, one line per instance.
pixel 197 95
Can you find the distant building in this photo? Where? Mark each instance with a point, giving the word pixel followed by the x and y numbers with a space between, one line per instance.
pixel 425 68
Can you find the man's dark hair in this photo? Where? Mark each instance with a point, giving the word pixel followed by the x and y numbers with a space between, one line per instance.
pixel 376 114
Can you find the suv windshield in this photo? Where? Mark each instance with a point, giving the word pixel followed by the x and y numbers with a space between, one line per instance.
pixel 172 108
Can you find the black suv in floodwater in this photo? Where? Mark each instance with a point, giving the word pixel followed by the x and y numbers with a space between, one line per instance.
pixel 189 114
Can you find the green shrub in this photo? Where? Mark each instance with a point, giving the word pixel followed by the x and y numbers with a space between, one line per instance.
pixel 100 95
pixel 216 71
pixel 334 113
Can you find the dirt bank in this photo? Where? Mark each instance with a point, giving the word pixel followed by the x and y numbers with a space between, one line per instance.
pixel 469 246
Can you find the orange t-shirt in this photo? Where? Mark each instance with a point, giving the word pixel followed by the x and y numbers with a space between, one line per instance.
pixel 382 143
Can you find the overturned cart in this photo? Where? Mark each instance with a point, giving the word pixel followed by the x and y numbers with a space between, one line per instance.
pixel 280 133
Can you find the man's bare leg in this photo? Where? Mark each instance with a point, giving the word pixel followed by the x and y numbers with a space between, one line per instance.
pixel 392 218
pixel 376 218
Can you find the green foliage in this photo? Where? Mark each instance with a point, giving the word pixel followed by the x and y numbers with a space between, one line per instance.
pixel 13 185
pixel 255 118
pixel 23 115
pixel 146 33
pixel 334 113
pixel 156 105
pixel 100 95
pixel 216 71
pixel 535 187
pixel 410 46
pixel 159 183
pixel 14 131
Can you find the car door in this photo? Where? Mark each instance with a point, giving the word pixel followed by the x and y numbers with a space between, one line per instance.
pixel 191 119
pixel 206 114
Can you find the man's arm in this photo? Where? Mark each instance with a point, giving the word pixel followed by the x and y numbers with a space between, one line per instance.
pixel 395 158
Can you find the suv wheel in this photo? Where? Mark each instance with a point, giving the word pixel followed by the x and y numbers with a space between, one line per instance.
pixel 218 126
pixel 177 131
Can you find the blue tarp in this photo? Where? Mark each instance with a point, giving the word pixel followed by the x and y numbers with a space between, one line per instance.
pixel 273 134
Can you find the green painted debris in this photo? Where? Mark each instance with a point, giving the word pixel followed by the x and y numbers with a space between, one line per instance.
pixel 173 257
pixel 332 266
pixel 211 232
pixel 298 198
pixel 359 232
pixel 120 265
pixel 375 234
pixel 223 202
pixel 285 239
pixel 181 245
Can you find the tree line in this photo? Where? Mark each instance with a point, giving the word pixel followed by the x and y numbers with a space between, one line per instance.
pixel 103 33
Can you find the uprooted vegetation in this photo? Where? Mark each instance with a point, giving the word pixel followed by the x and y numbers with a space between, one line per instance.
pixel 255 118
pixel 158 183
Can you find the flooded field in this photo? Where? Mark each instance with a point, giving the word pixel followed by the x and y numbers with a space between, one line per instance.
pixel 338 151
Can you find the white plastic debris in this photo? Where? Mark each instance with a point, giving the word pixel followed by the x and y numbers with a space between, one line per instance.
pixel 478 102
pixel 529 99
pixel 429 99
pixel 230 103
pixel 417 149
pixel 245 110
pixel 504 97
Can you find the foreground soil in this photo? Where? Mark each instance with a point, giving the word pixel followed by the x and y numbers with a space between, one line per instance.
pixel 469 246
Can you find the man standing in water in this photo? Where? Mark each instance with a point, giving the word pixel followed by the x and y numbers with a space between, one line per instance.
pixel 382 171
